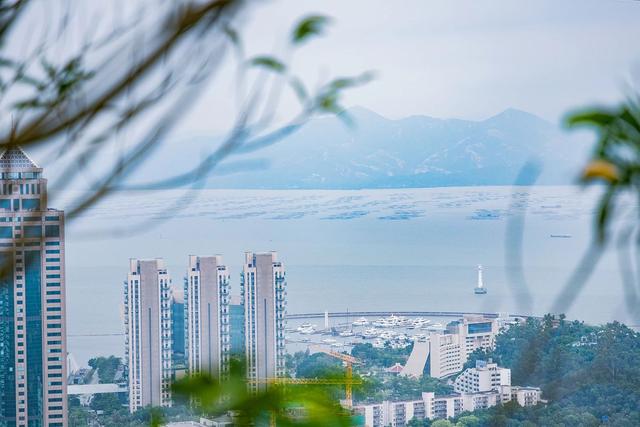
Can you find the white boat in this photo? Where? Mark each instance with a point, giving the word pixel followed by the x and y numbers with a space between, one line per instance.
pixel 361 322
pixel 370 333
pixel 337 344
pixel 382 323
pixel 306 331
pixel 346 334
pixel 436 327
pixel 329 341
pixel 387 335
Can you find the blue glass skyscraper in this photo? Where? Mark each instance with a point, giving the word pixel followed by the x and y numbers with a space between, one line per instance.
pixel 32 302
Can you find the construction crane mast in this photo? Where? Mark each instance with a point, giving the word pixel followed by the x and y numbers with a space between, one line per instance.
pixel 348 361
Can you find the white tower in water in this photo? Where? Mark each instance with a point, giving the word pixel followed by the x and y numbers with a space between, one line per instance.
pixel 480 289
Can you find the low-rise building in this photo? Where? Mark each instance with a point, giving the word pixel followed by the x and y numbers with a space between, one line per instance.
pixel 430 406
pixel 486 376
pixel 526 396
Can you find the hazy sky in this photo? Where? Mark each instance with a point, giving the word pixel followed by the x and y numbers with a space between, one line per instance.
pixel 453 58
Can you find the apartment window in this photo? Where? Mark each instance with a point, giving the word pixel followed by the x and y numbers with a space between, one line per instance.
pixel 31 231
pixel 52 230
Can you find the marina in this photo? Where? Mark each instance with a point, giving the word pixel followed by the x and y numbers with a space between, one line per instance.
pixel 381 329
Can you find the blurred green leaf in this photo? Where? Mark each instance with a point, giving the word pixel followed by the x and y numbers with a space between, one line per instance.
pixel 269 62
pixel 286 404
pixel 233 35
pixel 299 89
pixel 596 117
pixel 157 419
pixel 348 82
pixel 616 157
pixel 310 26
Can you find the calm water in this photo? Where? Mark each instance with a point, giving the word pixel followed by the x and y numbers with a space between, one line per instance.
pixel 356 250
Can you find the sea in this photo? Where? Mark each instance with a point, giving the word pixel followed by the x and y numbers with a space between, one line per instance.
pixel 358 250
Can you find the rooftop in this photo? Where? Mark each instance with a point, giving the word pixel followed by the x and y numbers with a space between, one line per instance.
pixel 15 159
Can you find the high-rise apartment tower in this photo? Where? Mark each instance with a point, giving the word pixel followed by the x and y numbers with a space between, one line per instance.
pixel 148 333
pixel 206 299
pixel 263 289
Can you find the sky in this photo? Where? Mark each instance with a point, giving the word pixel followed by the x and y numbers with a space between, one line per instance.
pixel 466 59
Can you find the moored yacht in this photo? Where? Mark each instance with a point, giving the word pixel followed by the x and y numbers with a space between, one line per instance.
pixel 361 322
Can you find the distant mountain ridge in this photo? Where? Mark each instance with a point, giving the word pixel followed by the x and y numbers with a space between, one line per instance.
pixel 416 151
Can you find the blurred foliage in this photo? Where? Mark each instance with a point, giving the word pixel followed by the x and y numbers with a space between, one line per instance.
pixel 282 404
pixel 615 166
pixel 101 108
pixel 616 159
pixel 80 103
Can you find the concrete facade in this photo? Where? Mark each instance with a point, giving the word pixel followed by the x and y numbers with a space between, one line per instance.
pixel 148 335
pixel 263 289
pixel 449 352
pixel 475 333
pixel 445 355
pixel 206 292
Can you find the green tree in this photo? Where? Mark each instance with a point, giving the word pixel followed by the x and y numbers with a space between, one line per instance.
pixel 468 421
pixel 319 365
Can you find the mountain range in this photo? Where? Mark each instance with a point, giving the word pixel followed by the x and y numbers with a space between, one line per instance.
pixel 412 152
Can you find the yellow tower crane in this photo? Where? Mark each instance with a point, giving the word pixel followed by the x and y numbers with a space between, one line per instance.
pixel 349 361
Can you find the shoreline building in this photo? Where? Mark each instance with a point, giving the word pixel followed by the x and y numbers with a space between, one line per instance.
pixel 148 337
pixel 475 333
pixel 206 298
pixel 445 355
pixel 263 290
pixel 33 344
pixel 449 352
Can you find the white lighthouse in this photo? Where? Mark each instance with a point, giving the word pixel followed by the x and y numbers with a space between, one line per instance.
pixel 480 289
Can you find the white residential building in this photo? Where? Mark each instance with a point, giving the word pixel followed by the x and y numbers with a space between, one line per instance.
pixel 448 352
pixel 445 355
pixel 526 396
pixel 148 335
pixel 430 406
pixel 263 289
pixel 484 377
pixel 206 296
pixel 475 333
